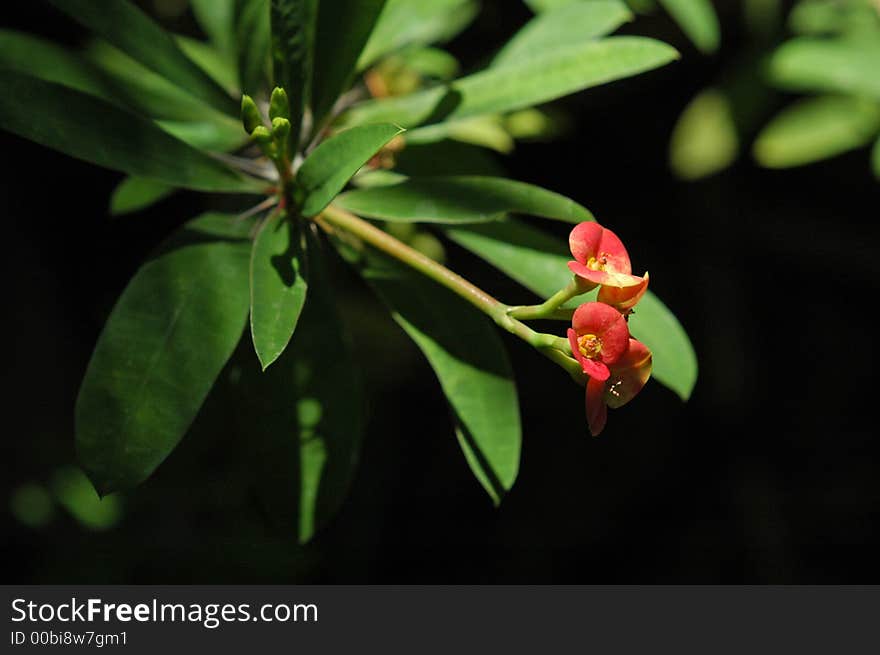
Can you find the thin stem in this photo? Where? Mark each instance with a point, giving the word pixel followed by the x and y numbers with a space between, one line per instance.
pixel 554 348
pixel 550 308
pixel 383 241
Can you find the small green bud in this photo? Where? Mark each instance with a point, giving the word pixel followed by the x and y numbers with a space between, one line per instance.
pixel 250 114
pixel 279 105
pixel 261 135
pixel 281 134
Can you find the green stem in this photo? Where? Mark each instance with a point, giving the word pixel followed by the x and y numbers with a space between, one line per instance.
pixel 554 348
pixel 550 308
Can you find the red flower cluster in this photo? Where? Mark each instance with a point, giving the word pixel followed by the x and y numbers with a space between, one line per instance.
pixel 617 365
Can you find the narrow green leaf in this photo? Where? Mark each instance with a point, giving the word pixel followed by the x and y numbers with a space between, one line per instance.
pixel 128 28
pixel 540 79
pixel 136 193
pixel 37 57
pixel 540 6
pixel 538 262
pixel 94 130
pixel 303 418
pixel 343 28
pixel 471 364
pixel 431 63
pixel 833 17
pixel 332 164
pixel 293 51
pixel 697 19
pixel 217 19
pixel 253 37
pixel 460 199
pixel 166 340
pixel 404 23
pixel 278 286
pixel 219 64
pixel 487 131
pixel 844 65
pixel 569 24
pixel 815 129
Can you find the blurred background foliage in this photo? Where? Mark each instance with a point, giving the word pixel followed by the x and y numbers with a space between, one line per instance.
pixel 767 475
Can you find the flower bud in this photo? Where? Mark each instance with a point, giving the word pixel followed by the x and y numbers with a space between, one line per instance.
pixel 279 105
pixel 250 114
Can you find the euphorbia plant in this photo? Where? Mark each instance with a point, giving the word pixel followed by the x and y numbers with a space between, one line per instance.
pixel 252 286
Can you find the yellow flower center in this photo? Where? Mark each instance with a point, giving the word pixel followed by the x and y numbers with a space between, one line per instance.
pixel 590 346
pixel 597 264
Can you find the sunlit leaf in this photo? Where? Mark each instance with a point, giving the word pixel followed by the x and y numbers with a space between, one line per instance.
pixel 92 129
pixel 538 262
pixel 303 418
pixel 537 80
pixel 846 66
pixel 569 24
pixel 471 364
pixel 487 131
pixel 164 344
pixel 815 129
pixel 833 17
pixel 278 286
pixel 705 138
pixel 460 199
pixel 136 193
pixel 404 22
pixel 128 28
pixel 220 65
pixel 697 19
pixel 343 28
pixel 331 165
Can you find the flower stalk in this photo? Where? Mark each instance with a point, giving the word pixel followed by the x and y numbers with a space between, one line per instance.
pixel 554 348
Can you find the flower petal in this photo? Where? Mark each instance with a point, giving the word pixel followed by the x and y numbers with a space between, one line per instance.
pixel 597 412
pixel 584 241
pixel 623 299
pixel 606 323
pixel 592 241
pixel 628 375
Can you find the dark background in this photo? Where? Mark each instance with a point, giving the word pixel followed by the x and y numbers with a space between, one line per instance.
pixel 768 474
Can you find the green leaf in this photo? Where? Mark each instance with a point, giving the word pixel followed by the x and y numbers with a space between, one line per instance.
pixel 293 51
pixel 471 364
pixel 705 138
pixel 569 24
pixel 446 158
pixel 332 164
pixel 219 64
pixel 136 193
pixel 253 37
pixel 540 79
pixel 815 129
pixel 404 23
pixel 538 262
pixel 94 130
pixel 303 418
pixel 697 19
pixel 833 17
pixel 342 31
pixel 74 493
pixel 128 28
pixel 37 57
pixel 278 286
pixel 539 6
pixel 487 131
pixel 460 199
pixel 430 62
pixel 217 19
pixel 166 341
pixel 846 66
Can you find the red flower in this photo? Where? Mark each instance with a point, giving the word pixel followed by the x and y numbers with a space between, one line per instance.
pixel 628 375
pixel 599 336
pixel 602 259
pixel 618 366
